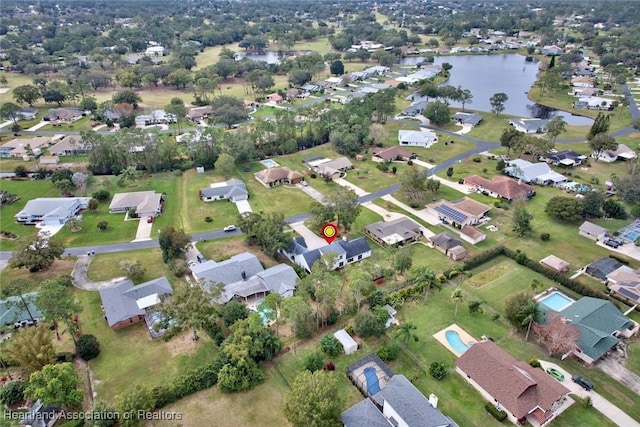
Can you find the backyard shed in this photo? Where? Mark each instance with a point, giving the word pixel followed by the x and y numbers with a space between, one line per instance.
pixel 348 343
pixel 555 263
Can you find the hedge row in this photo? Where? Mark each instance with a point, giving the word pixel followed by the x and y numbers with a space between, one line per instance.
pixel 497 413
pixel 201 378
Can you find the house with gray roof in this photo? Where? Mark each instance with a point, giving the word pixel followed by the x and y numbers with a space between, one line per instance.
pixel 345 252
pixel 601 325
pixel 593 231
pixel 417 138
pixel 602 267
pixel 537 173
pixel 233 190
pixel 51 210
pixel 19 309
pixel 244 277
pixel 398 232
pixel 70 145
pixel 467 118
pixel 125 304
pixel 530 125
pixel 143 203
pixel 415 108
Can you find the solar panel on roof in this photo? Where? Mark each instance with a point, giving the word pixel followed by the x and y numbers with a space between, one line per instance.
pixel 627 293
pixel 451 213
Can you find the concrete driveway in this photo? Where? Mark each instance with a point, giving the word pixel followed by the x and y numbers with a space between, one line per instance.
pixel 314 194
pixel 601 404
pixel 313 240
pixel 144 230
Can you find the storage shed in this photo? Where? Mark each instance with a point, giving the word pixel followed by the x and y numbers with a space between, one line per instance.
pixel 348 343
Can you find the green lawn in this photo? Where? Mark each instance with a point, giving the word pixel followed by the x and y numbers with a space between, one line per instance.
pixel 85 123
pixel 107 266
pixel 633 351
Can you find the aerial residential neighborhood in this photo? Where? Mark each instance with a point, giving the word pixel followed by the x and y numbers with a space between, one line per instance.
pixel 360 214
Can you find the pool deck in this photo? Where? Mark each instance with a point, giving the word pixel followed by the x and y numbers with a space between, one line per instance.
pixel 464 336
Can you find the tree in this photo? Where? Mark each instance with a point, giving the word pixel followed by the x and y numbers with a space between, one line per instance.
pixel 557 335
pixel 57 304
pixel 55 385
pixel 173 243
pixel 330 345
pixel 129 175
pixel 405 333
pixel 424 276
pixel 438 370
pixel 191 308
pixel 497 102
pixel 313 361
pixel 65 186
pixel 101 195
pixel 564 208
pixel 402 259
pixel 636 123
pixel 614 209
pixel 371 323
pixel 475 307
pixel 600 125
pixel 103 225
pixel 228 110
pixel 314 400
pixel 88 347
pixel 432 185
pixel 37 253
pixel 132 268
pixel 521 218
pixel 438 113
pixel 31 348
pixel 233 311
pixel 592 204
pixel 360 284
pixel 179 78
pixel 628 187
pixel 465 96
pixel 297 310
pixel 299 78
pixel 26 94
pixel 226 165
pixel 10 111
pixel 600 143
pixel 555 127
pixel 268 233
pixel 529 314
pixel 514 308
pixel 127 96
pixel 93 204
pixel 344 203
pixel 510 137
pixel 336 68
pixel 133 403
pixel 413 185
pixel 457 297
pixel 18 287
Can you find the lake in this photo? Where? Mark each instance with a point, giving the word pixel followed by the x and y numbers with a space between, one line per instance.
pixel 485 75
pixel 267 56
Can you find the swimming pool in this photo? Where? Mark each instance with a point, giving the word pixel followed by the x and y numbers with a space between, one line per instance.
pixel 269 163
pixel 454 340
pixel 631 232
pixel 373 383
pixel 556 301
pixel 265 313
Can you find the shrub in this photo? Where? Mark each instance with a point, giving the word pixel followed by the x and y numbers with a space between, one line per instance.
pixel 485 170
pixel 177 173
pixel 635 211
pixel 88 347
pixel 438 370
pixel 637 242
pixel 545 237
pixel 200 378
pixel 20 171
pixel 477 160
pixel 314 361
pixel 449 172
pixel 208 219
pixel 495 412
pixel 389 351
pixel 64 357
pixel 313 175
pixel 101 195
pixel 383 167
pixel 501 165
pixel 103 225
pixel 13 393
pixel 534 363
pixel 619 259
pixel 394 169
pixel 329 366
pixel 410 162
pixel 595 180
pixel 330 345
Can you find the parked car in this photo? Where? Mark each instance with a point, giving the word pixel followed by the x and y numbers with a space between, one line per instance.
pixel 191 263
pixel 230 228
pixel 201 258
pixel 555 374
pixel 149 219
pixel 582 382
pixel 612 243
pixel 304 183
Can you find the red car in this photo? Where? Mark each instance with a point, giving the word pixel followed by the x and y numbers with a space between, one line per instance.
pixel 149 219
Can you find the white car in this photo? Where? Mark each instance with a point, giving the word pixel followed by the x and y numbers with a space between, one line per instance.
pixel 192 263
pixel 229 228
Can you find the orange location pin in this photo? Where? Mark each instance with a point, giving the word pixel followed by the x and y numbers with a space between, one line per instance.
pixel 329 232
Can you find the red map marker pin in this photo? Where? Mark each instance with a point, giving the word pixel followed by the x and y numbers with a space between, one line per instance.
pixel 329 232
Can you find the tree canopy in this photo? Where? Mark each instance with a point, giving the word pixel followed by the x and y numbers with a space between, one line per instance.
pixel 314 400
pixel 56 385
pixel 37 253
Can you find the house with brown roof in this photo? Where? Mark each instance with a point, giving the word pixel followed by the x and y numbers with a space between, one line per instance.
pixel 523 392
pixel 24 148
pixel 582 81
pixel 555 263
pixel 391 154
pixel 275 97
pixel 471 234
pixel 460 212
pixel 198 113
pixel 70 145
pixel 501 187
pixel 448 245
pixel 273 177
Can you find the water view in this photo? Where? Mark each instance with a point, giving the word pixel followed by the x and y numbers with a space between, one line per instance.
pixel 267 56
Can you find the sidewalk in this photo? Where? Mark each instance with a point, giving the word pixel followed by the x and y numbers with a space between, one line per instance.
pixel 422 214
pixel 344 183
pixel 458 187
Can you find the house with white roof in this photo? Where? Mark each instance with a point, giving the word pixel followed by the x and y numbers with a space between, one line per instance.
pixel 155 51
pixel 530 125
pixel 156 117
pixel 622 152
pixel 51 210
pixel 345 252
pixel 417 138
pixel 537 173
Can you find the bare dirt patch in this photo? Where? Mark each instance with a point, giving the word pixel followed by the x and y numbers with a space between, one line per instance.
pixel 182 344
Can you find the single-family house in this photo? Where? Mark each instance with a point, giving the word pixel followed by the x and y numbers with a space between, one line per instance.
pixel 530 125
pixel 460 212
pixel 538 173
pixel 417 138
pixel 27 114
pixel 597 103
pixel 398 403
pixel 41 415
pixel 125 304
pixel 448 245
pixel 625 281
pixel 567 158
pixel 415 108
pixel 602 267
pixel 472 119
pixel 272 177
pixel 555 263
pixel 523 392
pixel 471 234
pixel 19 308
pixel 600 324
pixel 582 81
pixel 199 113
pixel 51 210
pixel 349 345
pixel 585 92
pixel 142 203
pixel 70 145
pixel 345 252
pixel 551 50
pixel 48 160
pixel 155 51
pixel 501 187
pixel 244 277
pixel 397 232
pixel 155 117
pixel 233 190
pixel 275 97
pixel 622 152
pixel 292 93
pixel 391 154
pixel 593 231
pixel 335 167
pixel 63 114
pixel 24 148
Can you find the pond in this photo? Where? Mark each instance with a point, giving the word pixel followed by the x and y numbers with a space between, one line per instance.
pixel 267 56
pixel 485 75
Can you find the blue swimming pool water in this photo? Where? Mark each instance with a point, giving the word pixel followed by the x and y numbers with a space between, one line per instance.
pixel 454 340
pixel 265 313
pixel 556 301
pixel 269 163
pixel 632 235
pixel 373 383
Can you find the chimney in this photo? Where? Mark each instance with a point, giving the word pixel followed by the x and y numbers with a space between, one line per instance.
pixel 244 275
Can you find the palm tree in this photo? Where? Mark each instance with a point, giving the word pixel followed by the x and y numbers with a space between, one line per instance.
pixel 425 276
pixel 405 333
pixel 459 273
pixel 529 313
pixel 536 285
pixel 457 297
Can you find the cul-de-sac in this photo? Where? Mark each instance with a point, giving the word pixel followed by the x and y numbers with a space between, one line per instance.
pixel 319 213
